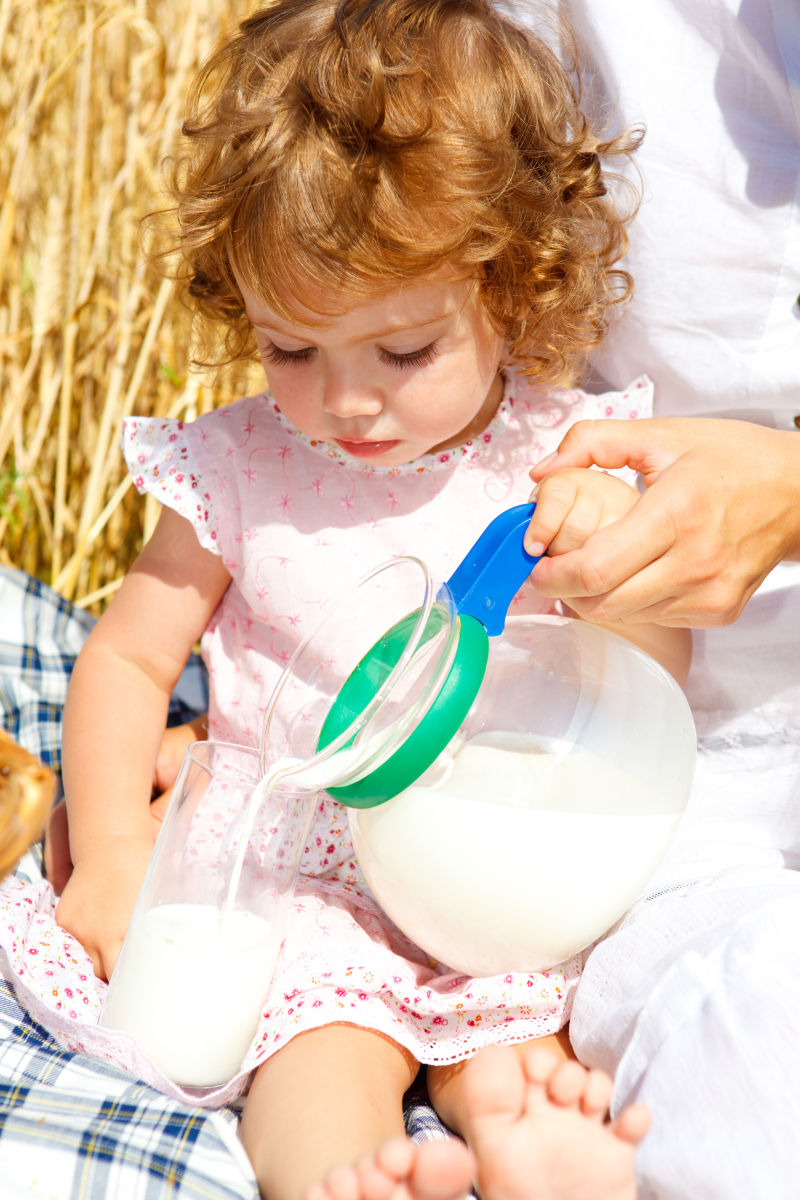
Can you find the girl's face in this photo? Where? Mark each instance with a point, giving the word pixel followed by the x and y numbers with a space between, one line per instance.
pixel 390 379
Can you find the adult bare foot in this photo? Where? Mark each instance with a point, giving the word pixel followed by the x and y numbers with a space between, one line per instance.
pixel 539 1130
pixel 401 1170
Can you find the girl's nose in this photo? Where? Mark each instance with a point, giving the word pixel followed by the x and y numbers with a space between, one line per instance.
pixel 348 394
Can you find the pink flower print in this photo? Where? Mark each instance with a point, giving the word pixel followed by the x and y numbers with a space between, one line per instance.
pixel 633 414
pixel 487 437
pixel 340 991
pixel 609 410
pixel 139 483
pixel 443 458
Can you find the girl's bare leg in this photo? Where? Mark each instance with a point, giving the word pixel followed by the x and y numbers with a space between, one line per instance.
pixel 332 1096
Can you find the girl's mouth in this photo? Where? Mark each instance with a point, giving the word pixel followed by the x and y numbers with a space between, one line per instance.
pixel 363 448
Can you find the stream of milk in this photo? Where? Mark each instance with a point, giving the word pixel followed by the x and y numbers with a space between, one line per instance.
pixel 509 855
pixel 192 977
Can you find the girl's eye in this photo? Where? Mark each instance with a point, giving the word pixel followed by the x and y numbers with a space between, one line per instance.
pixel 283 358
pixel 415 358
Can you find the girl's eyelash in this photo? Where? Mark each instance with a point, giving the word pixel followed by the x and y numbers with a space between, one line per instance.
pixel 282 358
pixel 415 358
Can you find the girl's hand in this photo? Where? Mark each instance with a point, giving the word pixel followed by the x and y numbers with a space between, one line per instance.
pixel 176 740
pixel 571 505
pixel 98 900
pixel 722 508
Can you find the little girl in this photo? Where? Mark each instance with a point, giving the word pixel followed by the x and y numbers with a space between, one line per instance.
pixel 400 202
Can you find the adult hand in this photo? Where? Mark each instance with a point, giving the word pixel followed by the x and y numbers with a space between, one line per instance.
pixel 721 509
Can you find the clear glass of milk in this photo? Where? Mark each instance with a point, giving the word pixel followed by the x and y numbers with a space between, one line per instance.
pixel 196 964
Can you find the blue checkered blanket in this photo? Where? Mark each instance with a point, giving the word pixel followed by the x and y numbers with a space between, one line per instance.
pixel 73 1127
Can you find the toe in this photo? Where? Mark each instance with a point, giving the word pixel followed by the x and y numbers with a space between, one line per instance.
pixel 342 1183
pixel 567 1083
pixel 375 1183
pixel 596 1096
pixel 632 1123
pixel 494 1086
pixel 396 1157
pixel 442 1171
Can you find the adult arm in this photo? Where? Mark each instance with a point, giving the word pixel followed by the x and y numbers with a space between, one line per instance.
pixel 114 723
pixel 720 510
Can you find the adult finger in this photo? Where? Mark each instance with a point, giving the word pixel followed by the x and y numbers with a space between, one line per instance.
pixel 610 557
pixel 648 446
pixel 663 592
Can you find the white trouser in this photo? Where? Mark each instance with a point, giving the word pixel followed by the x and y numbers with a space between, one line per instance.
pixel 694 1007
pixel 693 1002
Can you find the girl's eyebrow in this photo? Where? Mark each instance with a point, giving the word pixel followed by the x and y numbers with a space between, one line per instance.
pixel 372 335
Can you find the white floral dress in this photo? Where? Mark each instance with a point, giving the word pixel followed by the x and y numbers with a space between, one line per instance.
pixel 293 521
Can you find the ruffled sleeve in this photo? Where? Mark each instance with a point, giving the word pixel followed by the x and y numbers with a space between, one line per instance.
pixel 165 459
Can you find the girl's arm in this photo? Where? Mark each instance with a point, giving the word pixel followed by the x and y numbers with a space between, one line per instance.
pixel 571 505
pixel 114 721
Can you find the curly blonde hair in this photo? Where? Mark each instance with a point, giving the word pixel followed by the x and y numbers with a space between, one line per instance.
pixel 354 145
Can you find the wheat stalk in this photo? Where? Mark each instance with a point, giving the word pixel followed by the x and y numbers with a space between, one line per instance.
pixel 91 98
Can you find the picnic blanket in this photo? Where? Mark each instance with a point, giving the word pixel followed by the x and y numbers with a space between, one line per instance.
pixel 71 1126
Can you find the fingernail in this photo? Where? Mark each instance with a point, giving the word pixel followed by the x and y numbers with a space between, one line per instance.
pixel 533 494
pixel 535 549
pixel 545 462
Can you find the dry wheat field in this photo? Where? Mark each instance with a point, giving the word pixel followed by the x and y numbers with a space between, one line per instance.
pixel 91 101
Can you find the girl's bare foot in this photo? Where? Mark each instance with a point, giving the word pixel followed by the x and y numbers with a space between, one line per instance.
pixel 402 1170
pixel 538 1128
